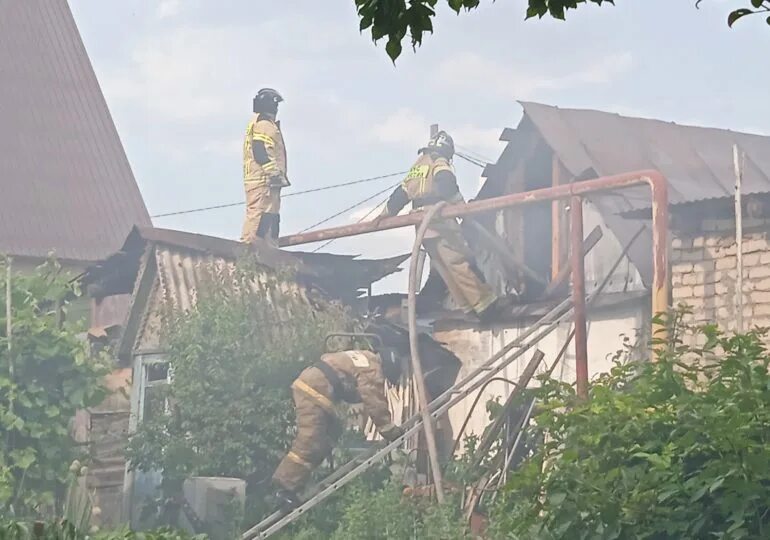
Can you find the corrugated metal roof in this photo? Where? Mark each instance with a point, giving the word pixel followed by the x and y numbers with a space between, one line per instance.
pixel 338 275
pixel 65 182
pixel 697 161
pixel 164 268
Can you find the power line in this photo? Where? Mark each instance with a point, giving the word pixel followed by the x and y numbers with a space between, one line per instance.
pixel 474 154
pixel 292 194
pixel 359 203
pixel 472 160
pixel 369 213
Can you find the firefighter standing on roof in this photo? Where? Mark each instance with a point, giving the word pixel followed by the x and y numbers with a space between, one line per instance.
pixel 353 376
pixel 432 180
pixel 264 170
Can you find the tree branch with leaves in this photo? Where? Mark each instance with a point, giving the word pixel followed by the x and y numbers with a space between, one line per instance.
pixel 394 20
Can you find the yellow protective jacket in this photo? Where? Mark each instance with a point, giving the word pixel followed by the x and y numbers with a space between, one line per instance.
pixel 430 180
pixel 265 135
pixel 360 374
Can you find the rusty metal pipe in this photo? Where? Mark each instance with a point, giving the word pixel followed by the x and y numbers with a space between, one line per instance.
pixel 579 295
pixel 414 349
pixel 653 178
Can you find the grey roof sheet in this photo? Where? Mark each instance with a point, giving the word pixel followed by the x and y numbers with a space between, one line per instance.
pixel 339 275
pixel 65 182
pixel 697 161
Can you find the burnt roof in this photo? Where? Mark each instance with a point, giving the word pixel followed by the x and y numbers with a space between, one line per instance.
pixel 337 275
pixel 697 161
pixel 65 181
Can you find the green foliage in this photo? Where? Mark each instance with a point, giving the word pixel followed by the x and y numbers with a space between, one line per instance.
pixel 233 359
pixel 395 19
pixel 386 514
pixel 666 450
pixel 374 508
pixel 16 530
pixel 53 377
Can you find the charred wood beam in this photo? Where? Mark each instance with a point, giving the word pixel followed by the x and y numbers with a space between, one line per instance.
pixel 588 244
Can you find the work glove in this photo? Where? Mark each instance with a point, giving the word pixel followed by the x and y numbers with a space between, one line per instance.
pixel 279 180
pixel 392 434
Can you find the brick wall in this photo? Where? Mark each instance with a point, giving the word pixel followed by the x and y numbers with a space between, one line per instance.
pixel 704 273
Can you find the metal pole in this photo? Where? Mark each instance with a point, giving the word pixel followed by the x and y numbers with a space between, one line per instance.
pixel 579 296
pixel 422 392
pixel 738 237
pixel 9 327
pixel 555 220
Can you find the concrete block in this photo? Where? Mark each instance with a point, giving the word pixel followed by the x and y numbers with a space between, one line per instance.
pixel 693 278
pixel 721 251
pixel 754 245
pixel 726 263
pixel 727 275
pixel 681 292
pixel 759 297
pixel 759 272
pixel 698 241
pixel 751 259
pixel 760 285
pixel 724 313
pixel 681 268
pixel 721 288
pixel 696 303
pixel 761 310
pixel 702 291
pixel 764 257
pixel 712 241
pixel 704 266
pixel 681 243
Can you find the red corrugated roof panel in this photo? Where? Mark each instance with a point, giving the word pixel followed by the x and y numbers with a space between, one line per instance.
pixel 65 182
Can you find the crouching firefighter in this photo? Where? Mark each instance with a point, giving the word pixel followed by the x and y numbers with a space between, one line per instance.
pixel 353 376
pixel 432 180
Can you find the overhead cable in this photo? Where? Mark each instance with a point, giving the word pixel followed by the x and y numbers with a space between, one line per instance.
pixel 291 194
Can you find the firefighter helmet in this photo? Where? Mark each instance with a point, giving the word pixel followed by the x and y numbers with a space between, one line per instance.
pixel 266 101
pixel 441 143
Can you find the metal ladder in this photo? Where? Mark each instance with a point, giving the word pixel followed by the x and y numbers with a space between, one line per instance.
pixel 480 375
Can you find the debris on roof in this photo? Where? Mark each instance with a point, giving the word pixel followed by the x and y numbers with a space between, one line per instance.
pixel 339 276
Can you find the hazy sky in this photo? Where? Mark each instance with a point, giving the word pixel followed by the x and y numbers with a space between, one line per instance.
pixel 179 76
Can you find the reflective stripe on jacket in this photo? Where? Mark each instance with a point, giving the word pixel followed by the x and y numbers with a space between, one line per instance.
pixel 361 374
pixel 269 134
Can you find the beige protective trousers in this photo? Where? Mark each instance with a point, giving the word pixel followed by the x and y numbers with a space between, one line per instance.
pixel 263 207
pixel 450 256
pixel 317 431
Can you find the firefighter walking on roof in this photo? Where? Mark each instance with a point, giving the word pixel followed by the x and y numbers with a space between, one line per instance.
pixel 264 170
pixel 432 180
pixel 353 376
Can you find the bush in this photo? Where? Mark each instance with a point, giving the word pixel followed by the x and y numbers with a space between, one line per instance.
pixel 54 376
pixel 15 530
pixel 666 450
pixel 233 359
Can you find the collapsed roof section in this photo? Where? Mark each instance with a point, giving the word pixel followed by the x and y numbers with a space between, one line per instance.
pixel 161 269
pixel 337 276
